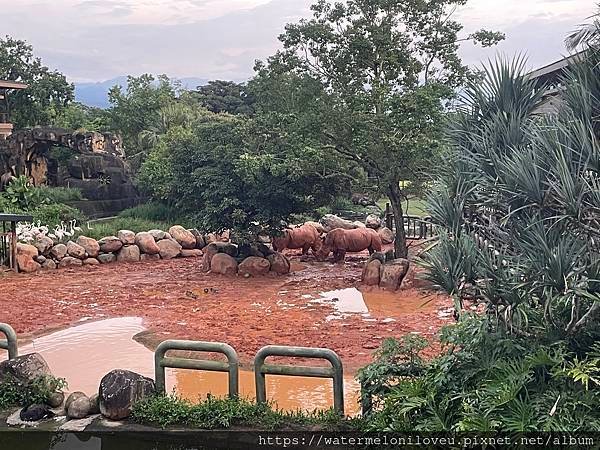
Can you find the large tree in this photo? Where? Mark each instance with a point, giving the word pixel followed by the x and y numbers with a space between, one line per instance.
pixel 385 68
pixel 225 96
pixel 48 93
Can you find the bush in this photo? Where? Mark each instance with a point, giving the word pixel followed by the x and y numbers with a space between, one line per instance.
pixel 13 393
pixel 156 212
pixel 98 230
pixel 217 413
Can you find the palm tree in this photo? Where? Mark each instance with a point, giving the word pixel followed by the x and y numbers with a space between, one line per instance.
pixel 586 35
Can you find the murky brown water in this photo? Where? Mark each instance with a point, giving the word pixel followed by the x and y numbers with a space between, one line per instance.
pixel 85 353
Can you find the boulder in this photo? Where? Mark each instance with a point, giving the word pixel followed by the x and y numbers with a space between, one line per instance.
pixel 224 264
pixel 371 273
pixel 392 274
pixel 24 369
pixel 145 241
pixel 126 237
pixel 69 261
pixel 169 248
pixel 49 264
pixel 331 222
pixel 224 247
pixel 279 263
pixel 209 252
pixel 44 244
pixel 194 253
pixel 200 242
pixel 119 390
pixel 373 221
pixel 56 399
pixel 59 251
pixel 72 397
pixel 254 266
pixel 95 404
pixel 75 250
pixel 225 236
pixel 387 235
pixel 146 257
pixel 91 262
pixel 79 408
pixel 158 235
pixel 359 224
pixel 184 237
pixel 26 258
pixel 110 244
pixel 91 246
pixel 41 259
pixel 129 253
pixel 34 413
pixel 107 258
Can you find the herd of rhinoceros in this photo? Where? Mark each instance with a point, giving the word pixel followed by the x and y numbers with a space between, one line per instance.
pixel 324 240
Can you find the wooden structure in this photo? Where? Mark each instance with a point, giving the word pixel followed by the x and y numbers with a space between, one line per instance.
pixel 5 126
pixel 8 240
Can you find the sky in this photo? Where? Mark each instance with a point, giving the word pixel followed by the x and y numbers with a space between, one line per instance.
pixel 96 40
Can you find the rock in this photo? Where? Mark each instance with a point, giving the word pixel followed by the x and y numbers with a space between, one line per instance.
pixel 225 247
pixel 224 264
pixel 110 244
pixel 158 235
pixel 371 273
pixel 59 251
pixel 26 258
pixel 200 242
pixel 373 221
pixel 146 243
pixel 254 266
pixel 69 261
pixel 320 228
pixel 72 397
pixel 56 399
pixel 75 250
pixel 209 252
pixel 185 238
pixel 392 274
pixel 119 390
pixel 95 404
pixel 44 244
pixel 126 237
pixel 146 257
pixel 24 369
pixel 129 253
pixel 387 235
pixel 266 239
pixel 41 259
pixel 195 253
pixel 35 413
pixel 91 262
pixel 49 264
pixel 91 246
pixel 380 256
pixel 331 222
pixel 107 258
pixel 279 263
pixel 169 248
pixel 218 237
pixel 359 224
pixel 79 408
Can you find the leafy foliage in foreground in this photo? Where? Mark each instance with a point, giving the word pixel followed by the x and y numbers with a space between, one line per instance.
pixel 14 393
pixel 217 413
pixel 485 381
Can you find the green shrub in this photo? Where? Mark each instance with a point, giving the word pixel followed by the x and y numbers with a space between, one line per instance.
pixel 217 413
pixel 59 194
pixel 98 230
pixel 55 213
pixel 14 393
pixel 156 212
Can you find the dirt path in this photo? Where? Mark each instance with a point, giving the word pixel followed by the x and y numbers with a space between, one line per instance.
pixel 177 300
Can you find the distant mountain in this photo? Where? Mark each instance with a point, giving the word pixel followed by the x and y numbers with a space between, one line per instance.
pixel 96 94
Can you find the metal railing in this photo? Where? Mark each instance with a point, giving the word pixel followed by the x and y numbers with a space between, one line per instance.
pixel 10 344
pixel 336 372
pixel 161 362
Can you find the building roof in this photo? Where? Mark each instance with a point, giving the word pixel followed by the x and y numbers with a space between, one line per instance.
pixel 5 84
pixel 553 69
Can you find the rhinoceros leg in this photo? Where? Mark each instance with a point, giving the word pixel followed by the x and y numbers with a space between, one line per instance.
pixel 339 256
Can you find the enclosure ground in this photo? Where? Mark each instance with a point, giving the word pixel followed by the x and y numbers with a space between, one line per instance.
pixel 177 301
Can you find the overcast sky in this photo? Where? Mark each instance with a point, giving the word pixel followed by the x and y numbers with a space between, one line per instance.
pixel 95 40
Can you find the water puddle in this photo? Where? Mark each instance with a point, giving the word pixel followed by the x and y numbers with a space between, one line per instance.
pixel 85 353
pixel 386 306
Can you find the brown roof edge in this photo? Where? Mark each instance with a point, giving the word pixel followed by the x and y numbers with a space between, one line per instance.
pixel 557 65
pixel 5 84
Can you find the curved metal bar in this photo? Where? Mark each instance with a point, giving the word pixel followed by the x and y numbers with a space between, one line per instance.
pixel 231 367
pixel 336 372
pixel 10 343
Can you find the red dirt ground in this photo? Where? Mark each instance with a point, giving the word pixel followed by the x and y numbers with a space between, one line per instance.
pixel 176 300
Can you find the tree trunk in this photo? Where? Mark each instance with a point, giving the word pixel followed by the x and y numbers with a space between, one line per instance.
pixel 395 196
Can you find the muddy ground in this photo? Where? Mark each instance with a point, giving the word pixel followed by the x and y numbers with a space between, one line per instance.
pixel 177 301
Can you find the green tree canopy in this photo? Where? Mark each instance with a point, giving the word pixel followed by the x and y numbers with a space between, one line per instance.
pixel 48 93
pixel 225 96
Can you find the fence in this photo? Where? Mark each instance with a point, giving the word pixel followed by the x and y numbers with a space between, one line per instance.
pixel 10 344
pixel 415 228
pixel 8 240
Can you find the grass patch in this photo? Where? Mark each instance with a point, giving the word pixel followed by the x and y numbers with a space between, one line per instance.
pixel 14 393
pixel 215 413
pixel 99 230
pixel 416 206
